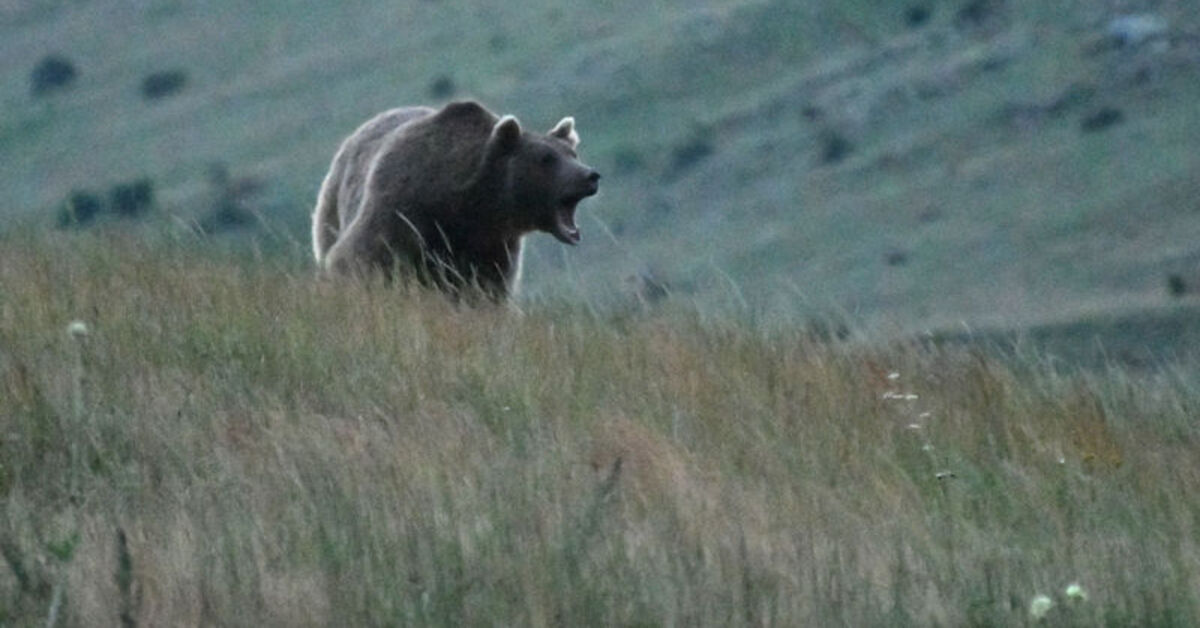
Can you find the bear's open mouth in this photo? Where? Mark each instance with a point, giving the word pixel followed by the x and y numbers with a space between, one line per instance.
pixel 564 218
pixel 564 224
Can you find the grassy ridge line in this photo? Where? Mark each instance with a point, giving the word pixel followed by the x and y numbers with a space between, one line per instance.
pixel 277 450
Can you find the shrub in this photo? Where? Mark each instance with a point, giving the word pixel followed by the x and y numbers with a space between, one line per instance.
pixel 132 198
pixel 81 208
pixel 162 84
pixel 52 73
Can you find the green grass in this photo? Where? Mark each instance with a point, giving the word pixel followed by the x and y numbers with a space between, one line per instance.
pixel 238 443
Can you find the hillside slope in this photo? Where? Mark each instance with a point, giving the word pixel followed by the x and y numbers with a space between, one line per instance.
pixel 911 167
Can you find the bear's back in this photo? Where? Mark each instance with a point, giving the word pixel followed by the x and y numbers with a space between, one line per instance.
pixel 361 149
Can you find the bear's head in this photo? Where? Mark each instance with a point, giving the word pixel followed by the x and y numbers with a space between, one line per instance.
pixel 543 178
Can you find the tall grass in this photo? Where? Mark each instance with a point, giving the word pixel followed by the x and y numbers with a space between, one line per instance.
pixel 233 444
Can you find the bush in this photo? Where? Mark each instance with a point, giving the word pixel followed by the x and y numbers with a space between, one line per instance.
pixel 686 155
pixel 162 84
pixel 917 15
pixel 81 208
pixel 1101 120
pixel 52 73
pixel 442 87
pixel 132 198
pixel 834 147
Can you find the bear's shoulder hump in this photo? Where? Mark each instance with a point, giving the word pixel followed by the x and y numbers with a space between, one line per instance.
pixel 466 111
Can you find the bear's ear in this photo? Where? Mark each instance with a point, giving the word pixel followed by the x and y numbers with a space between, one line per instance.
pixel 565 131
pixel 506 134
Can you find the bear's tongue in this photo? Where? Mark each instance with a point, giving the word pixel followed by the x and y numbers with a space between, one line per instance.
pixel 564 226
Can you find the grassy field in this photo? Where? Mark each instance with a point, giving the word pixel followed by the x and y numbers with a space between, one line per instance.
pixel 194 430
pixel 221 442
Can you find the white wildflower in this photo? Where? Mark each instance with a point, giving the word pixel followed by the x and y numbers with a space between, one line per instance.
pixel 1076 592
pixel 1040 605
pixel 77 329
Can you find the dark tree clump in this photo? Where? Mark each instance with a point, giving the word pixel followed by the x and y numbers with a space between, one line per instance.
pixel 132 198
pixel 162 84
pixel 81 208
pixel 52 73
pixel 442 87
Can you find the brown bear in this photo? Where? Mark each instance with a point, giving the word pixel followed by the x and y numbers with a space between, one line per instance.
pixel 449 194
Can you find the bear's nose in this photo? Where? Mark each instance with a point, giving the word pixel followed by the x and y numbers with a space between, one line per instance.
pixel 593 177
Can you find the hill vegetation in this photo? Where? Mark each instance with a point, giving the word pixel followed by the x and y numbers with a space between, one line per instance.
pixel 1004 163
pixel 217 442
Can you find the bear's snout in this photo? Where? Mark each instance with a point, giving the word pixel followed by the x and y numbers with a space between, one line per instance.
pixel 593 182
pixel 583 187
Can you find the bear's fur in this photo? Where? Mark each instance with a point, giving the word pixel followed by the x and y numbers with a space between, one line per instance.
pixel 448 193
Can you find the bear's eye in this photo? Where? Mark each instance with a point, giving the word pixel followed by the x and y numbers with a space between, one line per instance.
pixel 549 159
